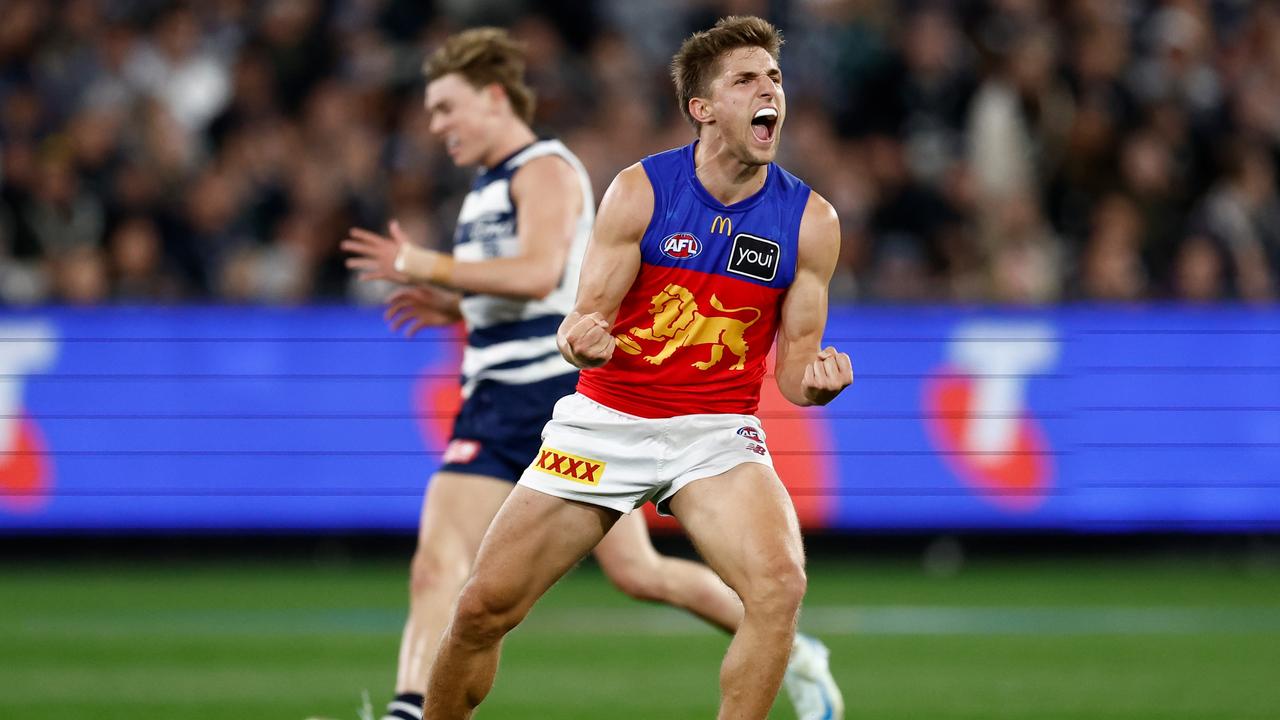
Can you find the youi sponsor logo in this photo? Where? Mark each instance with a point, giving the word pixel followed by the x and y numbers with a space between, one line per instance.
pixel 978 415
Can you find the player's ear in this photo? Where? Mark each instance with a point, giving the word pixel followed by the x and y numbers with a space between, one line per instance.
pixel 495 94
pixel 700 110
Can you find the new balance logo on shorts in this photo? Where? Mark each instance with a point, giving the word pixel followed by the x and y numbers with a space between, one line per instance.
pixel 570 467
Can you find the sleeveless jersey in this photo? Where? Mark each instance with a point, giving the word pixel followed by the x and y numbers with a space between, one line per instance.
pixel 695 327
pixel 513 340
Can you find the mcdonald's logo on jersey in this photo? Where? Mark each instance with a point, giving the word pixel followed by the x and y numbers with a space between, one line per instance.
pixel 722 224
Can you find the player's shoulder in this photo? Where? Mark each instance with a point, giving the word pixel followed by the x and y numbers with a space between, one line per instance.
pixel 819 211
pixel 627 206
pixel 547 164
pixel 633 178
pixel 546 167
pixel 667 165
pixel 819 241
pixel 544 147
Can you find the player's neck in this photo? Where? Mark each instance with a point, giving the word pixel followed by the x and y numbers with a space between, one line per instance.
pixel 510 139
pixel 727 178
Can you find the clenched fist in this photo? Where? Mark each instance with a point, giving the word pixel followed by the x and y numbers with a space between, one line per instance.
pixel 826 376
pixel 585 340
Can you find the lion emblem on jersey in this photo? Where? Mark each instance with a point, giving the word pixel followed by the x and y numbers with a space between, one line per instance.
pixel 678 321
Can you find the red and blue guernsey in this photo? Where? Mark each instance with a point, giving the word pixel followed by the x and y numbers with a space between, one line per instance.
pixel 695 327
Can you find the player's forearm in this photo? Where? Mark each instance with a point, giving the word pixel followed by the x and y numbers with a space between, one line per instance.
pixel 790 378
pixel 599 295
pixel 598 299
pixel 608 272
pixel 520 276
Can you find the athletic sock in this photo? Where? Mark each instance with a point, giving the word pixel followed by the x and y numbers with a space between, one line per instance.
pixel 406 706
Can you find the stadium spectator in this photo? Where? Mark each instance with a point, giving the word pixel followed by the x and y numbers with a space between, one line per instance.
pixel 230 125
pixel 1111 264
pixel 1199 271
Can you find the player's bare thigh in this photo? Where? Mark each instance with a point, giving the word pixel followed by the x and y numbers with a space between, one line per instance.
pixel 742 521
pixel 533 541
pixel 457 509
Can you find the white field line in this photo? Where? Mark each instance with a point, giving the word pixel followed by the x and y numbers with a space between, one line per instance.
pixel 649 620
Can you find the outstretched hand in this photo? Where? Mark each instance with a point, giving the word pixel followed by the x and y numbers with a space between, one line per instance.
pixel 374 255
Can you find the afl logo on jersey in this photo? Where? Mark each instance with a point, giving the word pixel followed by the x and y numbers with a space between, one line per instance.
pixel 681 246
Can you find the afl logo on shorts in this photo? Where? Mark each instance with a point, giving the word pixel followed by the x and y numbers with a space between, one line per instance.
pixel 681 246
pixel 461 452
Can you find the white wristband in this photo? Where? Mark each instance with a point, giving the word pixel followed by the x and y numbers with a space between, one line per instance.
pixel 423 265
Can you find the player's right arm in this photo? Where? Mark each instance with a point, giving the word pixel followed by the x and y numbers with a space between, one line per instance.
pixel 548 197
pixel 608 270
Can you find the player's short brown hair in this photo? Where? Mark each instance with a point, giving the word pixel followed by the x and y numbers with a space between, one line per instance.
pixel 484 56
pixel 698 60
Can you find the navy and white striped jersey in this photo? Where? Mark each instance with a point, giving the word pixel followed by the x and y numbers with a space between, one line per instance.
pixel 513 340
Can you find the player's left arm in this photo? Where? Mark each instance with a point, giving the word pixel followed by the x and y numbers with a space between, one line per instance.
pixel 808 374
pixel 549 201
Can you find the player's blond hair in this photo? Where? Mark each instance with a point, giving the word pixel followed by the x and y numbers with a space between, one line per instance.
pixel 698 60
pixel 485 56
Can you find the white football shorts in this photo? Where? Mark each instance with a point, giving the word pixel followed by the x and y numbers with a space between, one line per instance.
pixel 597 455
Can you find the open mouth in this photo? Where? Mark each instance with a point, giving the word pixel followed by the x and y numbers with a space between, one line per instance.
pixel 763 124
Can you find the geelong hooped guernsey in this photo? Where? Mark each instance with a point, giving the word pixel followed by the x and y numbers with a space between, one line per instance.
pixel 513 340
pixel 695 327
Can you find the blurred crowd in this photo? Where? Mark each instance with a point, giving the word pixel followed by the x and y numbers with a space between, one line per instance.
pixel 1010 151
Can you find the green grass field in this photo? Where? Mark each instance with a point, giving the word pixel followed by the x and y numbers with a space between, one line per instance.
pixel 1156 639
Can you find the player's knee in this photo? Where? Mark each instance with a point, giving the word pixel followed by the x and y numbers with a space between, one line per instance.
pixel 777 587
pixel 435 571
pixel 484 615
pixel 639 580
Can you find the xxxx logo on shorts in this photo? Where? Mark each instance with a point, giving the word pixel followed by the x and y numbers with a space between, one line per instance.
pixel 569 467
